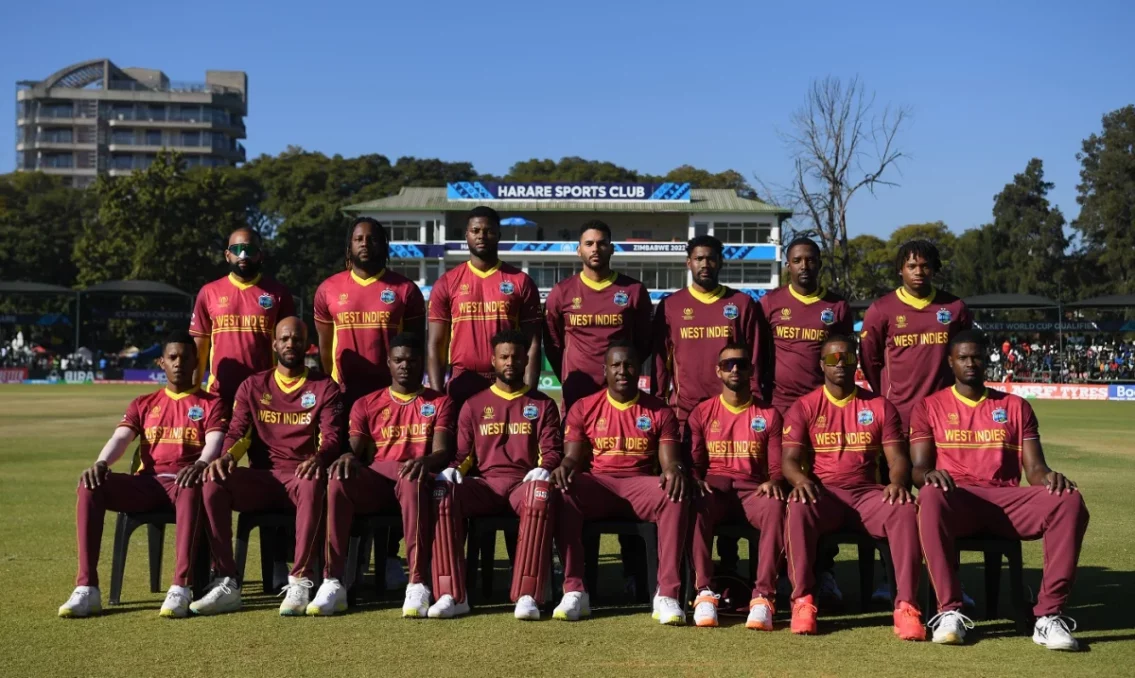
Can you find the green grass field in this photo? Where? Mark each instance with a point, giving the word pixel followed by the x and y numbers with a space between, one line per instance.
pixel 48 434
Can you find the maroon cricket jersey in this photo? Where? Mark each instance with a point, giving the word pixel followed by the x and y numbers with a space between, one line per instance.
pixel 905 342
pixel 624 437
pixel 171 427
pixel 281 422
pixel 797 326
pixel 503 434
pixel 478 304
pixel 977 441
pixel 845 436
pixel 690 329
pixel 240 320
pixel 366 313
pixel 738 442
pixel 582 318
pixel 401 426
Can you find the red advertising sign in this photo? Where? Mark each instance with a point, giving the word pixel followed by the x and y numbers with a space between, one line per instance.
pixel 13 375
pixel 1054 391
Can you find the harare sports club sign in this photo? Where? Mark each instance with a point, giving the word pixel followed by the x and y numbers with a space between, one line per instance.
pixel 489 191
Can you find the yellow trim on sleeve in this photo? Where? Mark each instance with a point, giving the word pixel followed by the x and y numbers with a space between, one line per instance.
pixel 509 396
pixel 622 406
pixel 367 281
pixel 966 401
pixel 837 401
pixel 178 396
pixel 913 301
pixel 707 298
pixel 735 410
pixel 282 382
pixel 240 447
pixel 483 274
pixel 602 284
pixel 242 285
pixel 807 299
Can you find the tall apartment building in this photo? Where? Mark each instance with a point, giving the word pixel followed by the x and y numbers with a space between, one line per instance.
pixel 94 117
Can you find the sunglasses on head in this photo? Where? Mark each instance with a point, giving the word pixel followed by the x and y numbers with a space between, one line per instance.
pixel 730 364
pixel 840 358
pixel 244 248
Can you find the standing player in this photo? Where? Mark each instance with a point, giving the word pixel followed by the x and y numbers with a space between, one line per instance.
pixel 400 436
pixel 624 437
pixel 838 432
pixel 181 430
pixel 470 304
pixel 969 444
pixel 585 313
pixel 511 436
pixel 234 317
pixel 736 453
pixel 288 422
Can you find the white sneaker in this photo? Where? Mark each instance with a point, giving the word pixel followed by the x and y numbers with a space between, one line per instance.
pixel 176 605
pixel 223 596
pixel 882 594
pixel 417 601
pixel 280 575
pixel 574 606
pixel 705 609
pixel 827 588
pixel 395 576
pixel 1052 631
pixel 527 609
pixel 669 612
pixel 760 614
pixel 329 600
pixel 297 594
pixel 447 608
pixel 84 601
pixel 949 627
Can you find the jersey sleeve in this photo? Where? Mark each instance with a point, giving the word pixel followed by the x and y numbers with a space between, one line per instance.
pixel 754 339
pixel 446 415
pixel 415 303
pixel 965 318
pixel 641 323
pixel 575 429
pixel 132 418
pixel 1030 428
pixel 795 431
pixel 218 417
pixel 554 332
pixel 699 457
pixel 845 323
pixel 200 324
pixel 240 427
pixel 287 306
pixel 668 427
pixel 551 439
pixel 330 424
pixel 873 346
pixel 775 446
pixel 466 440
pixel 892 424
pixel 439 301
pixel 663 353
pixel 529 314
pixel 321 309
pixel 920 427
pixel 358 425
pixel 768 349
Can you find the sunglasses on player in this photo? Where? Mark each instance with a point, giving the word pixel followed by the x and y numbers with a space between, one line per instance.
pixel 840 358
pixel 730 364
pixel 247 249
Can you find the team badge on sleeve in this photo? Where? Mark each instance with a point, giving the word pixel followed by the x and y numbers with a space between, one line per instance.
pixel 530 412
pixel 1000 415
pixel 307 400
pixel 621 298
pixel 827 316
pixel 507 287
pixel 196 413
pixel 944 316
pixel 758 424
pixel 643 423
pixel 265 301
pixel 866 417
pixel 428 410
pixel 387 296
pixel 730 312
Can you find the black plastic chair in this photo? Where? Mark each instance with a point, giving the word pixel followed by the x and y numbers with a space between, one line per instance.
pixel 481 547
pixel 155 523
pixel 272 524
pixel 367 532
pixel 866 546
pixel 994 549
pixel 738 531
pixel 648 532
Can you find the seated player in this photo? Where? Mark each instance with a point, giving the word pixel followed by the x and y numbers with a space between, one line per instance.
pixel 616 443
pixel 838 431
pixel 736 457
pixel 968 445
pixel 511 437
pixel 399 437
pixel 181 429
pixel 288 422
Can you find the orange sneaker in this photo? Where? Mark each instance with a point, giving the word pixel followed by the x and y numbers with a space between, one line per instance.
pixel 803 616
pixel 760 614
pixel 705 609
pixel 908 622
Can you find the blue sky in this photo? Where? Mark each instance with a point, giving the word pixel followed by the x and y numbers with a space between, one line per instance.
pixel 647 85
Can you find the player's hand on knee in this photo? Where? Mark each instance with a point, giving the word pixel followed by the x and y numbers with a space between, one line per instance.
pixel 191 475
pixel 450 475
pixel 416 469
pixel 537 474
pixel 342 467
pixel 771 488
pixel 805 492
pixel 896 494
pixel 940 479
pixel 93 477
pixel 673 480
pixel 221 468
pixel 1058 484
pixel 562 477
pixel 308 469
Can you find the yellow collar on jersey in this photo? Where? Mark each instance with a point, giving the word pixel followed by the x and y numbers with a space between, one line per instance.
pixel 602 284
pixel 837 401
pixel 367 281
pixel 966 401
pixel 404 397
pixel 807 299
pixel 178 396
pixel 508 396
pixel 913 301
pixel 242 285
pixel 740 408
pixel 707 298
pixel 621 406
pixel 289 386
pixel 483 274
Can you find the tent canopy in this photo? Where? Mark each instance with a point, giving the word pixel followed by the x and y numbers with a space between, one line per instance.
pixel 1009 301
pixel 143 287
pixel 16 287
pixel 1109 301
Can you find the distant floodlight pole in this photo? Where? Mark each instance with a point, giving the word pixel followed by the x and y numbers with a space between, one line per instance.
pixel 78 317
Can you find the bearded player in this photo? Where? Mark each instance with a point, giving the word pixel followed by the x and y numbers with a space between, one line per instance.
pixel 234 316
pixel 617 442
pixel 510 436
pixel 470 304
pixel 181 430
pixel 585 313
pixel 969 444
pixel 837 432
pixel 400 436
pixel 288 422
pixel 736 450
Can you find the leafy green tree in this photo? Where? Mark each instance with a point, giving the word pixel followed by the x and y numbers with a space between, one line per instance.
pixel 1106 195
pixel 872 267
pixel 40 217
pixel 1033 256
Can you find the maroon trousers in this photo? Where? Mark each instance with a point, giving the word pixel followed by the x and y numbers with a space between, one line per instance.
pixel 278 489
pixel 736 499
pixel 376 489
pixel 126 493
pixel 1025 513
pixel 606 497
pixel 859 508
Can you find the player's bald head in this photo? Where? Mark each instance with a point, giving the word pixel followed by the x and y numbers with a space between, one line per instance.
pixel 244 235
pixel 292 325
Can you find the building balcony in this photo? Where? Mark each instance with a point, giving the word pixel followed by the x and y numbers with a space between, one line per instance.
pixel 567 250
pixel 56 146
pixel 234 129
